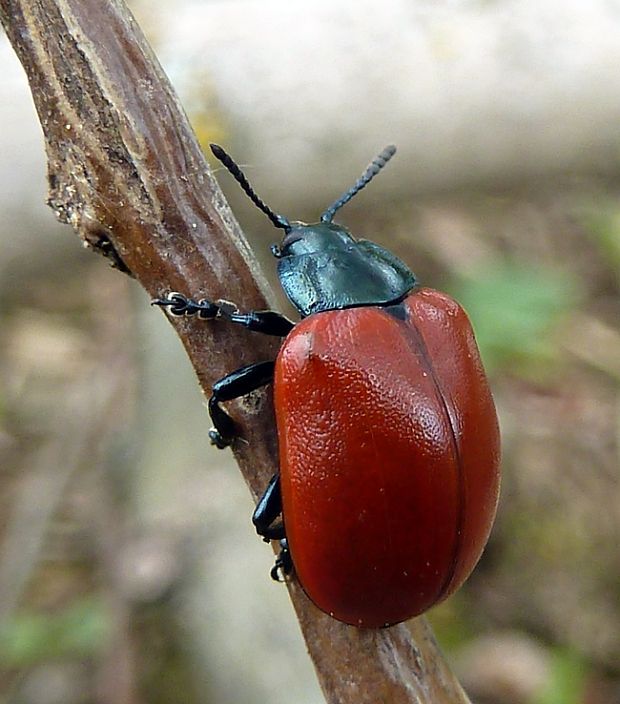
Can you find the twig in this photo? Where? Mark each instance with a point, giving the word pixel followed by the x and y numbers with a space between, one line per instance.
pixel 126 172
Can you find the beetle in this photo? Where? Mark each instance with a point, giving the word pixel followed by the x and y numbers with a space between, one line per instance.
pixel 388 436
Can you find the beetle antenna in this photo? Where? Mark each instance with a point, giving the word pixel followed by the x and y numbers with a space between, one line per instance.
pixel 278 220
pixel 373 169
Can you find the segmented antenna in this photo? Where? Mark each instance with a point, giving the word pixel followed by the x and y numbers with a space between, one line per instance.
pixel 278 220
pixel 373 169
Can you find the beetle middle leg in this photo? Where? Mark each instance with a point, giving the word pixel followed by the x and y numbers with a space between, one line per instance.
pixel 233 385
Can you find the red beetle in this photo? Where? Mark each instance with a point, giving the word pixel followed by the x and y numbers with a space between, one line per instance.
pixel 388 435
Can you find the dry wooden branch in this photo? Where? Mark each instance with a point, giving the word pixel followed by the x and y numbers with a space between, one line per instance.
pixel 126 172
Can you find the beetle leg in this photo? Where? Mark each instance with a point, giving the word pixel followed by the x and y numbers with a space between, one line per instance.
pixel 283 564
pixel 266 321
pixel 268 508
pixel 237 383
pixel 179 306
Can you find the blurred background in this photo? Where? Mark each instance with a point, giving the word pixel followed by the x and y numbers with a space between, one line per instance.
pixel 129 570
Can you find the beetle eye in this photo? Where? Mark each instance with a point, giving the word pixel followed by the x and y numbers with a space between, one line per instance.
pixel 276 251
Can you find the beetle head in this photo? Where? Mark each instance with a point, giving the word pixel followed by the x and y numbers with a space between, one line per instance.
pixel 307 239
pixel 322 266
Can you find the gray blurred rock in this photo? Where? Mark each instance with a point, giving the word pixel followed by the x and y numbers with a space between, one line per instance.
pixel 471 92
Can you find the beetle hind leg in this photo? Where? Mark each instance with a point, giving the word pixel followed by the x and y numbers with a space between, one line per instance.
pixel 267 510
pixel 264 518
pixel 283 565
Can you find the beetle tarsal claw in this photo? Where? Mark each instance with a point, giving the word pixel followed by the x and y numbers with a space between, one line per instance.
pixel 179 306
pixel 278 573
pixel 176 303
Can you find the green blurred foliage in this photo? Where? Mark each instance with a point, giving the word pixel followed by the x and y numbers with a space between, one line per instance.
pixel 452 624
pixel 515 310
pixel 602 222
pixel 567 681
pixel 79 630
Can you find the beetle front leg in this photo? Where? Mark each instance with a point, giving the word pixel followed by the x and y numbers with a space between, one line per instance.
pixel 233 385
pixel 267 322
